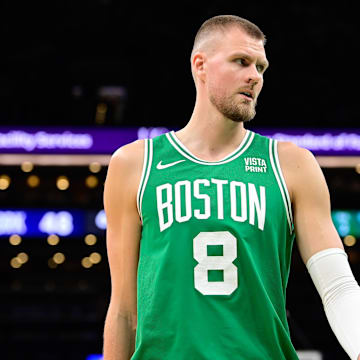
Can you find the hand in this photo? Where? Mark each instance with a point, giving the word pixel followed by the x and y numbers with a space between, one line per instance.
pixel 358 357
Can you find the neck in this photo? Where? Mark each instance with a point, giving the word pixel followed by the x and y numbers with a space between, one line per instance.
pixel 209 134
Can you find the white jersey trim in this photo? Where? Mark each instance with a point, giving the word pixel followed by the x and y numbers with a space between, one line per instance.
pixel 142 176
pixel 249 134
pixel 283 181
pixel 148 155
pixel 283 195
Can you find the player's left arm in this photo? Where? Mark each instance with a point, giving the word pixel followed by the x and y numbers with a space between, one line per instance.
pixel 320 246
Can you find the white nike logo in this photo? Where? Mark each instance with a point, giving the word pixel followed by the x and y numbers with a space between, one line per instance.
pixel 160 166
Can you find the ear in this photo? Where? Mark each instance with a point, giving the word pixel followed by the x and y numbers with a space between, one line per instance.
pixel 199 66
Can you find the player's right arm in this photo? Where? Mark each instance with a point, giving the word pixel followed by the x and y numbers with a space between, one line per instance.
pixel 123 239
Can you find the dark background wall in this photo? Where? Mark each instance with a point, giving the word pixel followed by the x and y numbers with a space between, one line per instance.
pixel 48 48
pixel 55 58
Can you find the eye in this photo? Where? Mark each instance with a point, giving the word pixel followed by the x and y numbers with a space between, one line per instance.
pixel 260 68
pixel 241 61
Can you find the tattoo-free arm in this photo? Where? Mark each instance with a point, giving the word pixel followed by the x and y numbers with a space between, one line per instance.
pixel 123 238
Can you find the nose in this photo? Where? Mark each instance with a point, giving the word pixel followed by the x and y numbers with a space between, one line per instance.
pixel 253 76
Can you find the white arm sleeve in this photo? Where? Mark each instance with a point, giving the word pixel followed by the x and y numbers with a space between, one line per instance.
pixel 340 294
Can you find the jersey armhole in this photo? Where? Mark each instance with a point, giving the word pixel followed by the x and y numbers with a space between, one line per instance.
pixel 275 164
pixel 148 153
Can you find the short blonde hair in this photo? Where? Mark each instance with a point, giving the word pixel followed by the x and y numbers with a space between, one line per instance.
pixel 223 23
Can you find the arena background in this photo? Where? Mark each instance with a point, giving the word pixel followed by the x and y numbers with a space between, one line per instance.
pixel 72 67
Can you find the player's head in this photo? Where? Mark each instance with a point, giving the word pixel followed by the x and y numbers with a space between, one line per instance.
pixel 228 58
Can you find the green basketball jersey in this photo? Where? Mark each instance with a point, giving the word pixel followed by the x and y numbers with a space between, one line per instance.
pixel 214 254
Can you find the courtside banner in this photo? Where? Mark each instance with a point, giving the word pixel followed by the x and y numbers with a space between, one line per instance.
pixel 58 140
pixel 334 142
pixel 61 140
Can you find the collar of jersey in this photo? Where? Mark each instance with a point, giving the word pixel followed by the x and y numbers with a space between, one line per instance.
pixel 183 150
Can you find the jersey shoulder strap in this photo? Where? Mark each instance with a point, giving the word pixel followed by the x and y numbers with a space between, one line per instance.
pixel 148 156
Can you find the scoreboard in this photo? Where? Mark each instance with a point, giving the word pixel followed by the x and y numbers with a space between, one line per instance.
pixel 43 222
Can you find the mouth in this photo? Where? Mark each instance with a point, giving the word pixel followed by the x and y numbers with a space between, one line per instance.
pixel 247 94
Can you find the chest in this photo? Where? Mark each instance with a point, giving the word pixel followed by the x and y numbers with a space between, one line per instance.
pixel 223 194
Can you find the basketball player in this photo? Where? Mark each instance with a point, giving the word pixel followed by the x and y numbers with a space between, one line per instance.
pixel 201 224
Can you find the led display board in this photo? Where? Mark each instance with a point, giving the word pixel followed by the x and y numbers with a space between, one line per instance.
pixel 76 222
pixel 95 357
pixel 347 222
pixel 43 222
pixel 58 140
pixel 61 140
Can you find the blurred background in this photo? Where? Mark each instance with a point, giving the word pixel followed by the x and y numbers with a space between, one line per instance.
pixel 78 79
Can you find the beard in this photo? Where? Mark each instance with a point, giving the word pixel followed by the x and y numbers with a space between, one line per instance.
pixel 233 109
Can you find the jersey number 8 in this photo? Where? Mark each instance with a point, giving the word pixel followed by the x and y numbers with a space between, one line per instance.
pixel 224 263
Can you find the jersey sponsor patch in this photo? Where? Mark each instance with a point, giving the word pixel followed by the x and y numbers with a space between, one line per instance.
pixel 254 164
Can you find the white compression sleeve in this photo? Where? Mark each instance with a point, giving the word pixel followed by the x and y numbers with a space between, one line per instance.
pixel 340 294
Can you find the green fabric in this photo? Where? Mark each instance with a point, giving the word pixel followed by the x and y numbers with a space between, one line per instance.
pixel 214 255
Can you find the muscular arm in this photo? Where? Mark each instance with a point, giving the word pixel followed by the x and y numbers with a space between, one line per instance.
pixel 320 245
pixel 310 199
pixel 123 238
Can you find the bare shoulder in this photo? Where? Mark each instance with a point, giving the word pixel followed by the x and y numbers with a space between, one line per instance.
pixel 127 161
pixel 124 174
pixel 293 156
pixel 299 166
pixel 129 155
